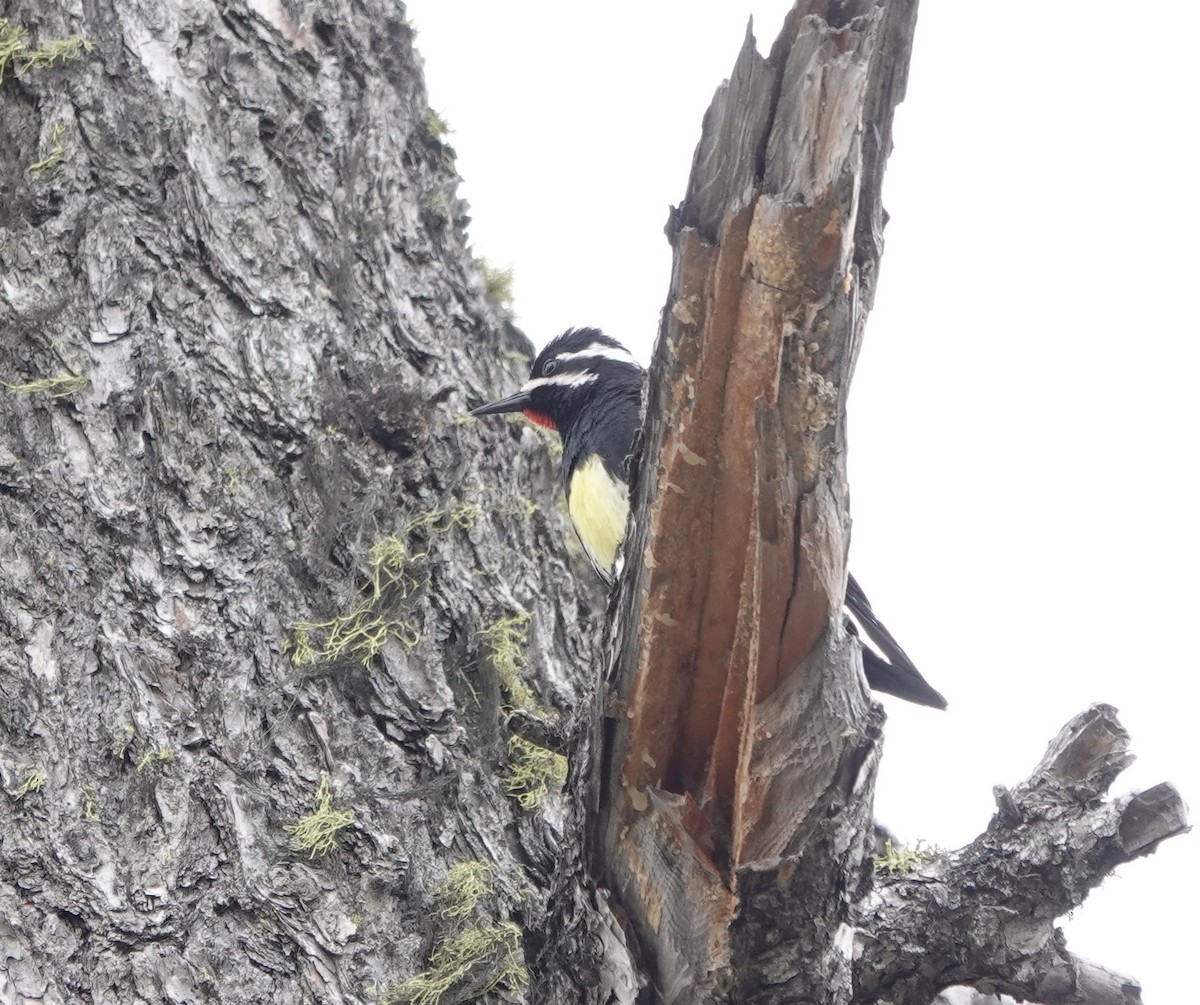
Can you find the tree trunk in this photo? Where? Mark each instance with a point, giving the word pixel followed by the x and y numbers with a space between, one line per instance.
pixel 738 758
pixel 239 329
pixel 290 652
pixel 740 778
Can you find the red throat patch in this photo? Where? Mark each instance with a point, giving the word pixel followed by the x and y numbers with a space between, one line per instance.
pixel 540 418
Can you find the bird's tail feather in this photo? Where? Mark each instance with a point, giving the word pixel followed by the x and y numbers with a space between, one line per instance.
pixel 893 672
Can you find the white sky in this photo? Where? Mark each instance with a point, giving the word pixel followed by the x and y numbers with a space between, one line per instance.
pixel 1024 415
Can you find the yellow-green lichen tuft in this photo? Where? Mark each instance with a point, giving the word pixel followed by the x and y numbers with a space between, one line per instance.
pixel 152 757
pixel 122 737
pixel 438 206
pixel 89 802
pixel 15 50
pixel 436 125
pixel 32 780
pixel 463 515
pixel 317 833
pixel 58 150
pixel 531 769
pixel 506 640
pixel 13 41
pixel 498 287
pixel 521 506
pixel 466 884
pixel 363 631
pixel 387 562
pixel 61 385
pixel 516 356
pixel 361 634
pixel 902 860
pixel 465 967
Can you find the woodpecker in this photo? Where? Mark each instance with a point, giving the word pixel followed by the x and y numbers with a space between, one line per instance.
pixel 587 387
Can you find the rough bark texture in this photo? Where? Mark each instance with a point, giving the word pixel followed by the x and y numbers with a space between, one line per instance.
pixel 247 286
pixel 741 769
pixel 238 331
pixel 985 914
pixel 738 757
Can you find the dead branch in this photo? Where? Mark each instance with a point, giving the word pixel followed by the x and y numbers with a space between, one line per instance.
pixel 985 915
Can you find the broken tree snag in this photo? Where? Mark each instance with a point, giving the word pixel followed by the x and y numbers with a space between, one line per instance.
pixel 986 913
pixel 744 744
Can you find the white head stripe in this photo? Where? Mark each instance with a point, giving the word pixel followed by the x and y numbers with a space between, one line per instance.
pixel 600 350
pixel 561 380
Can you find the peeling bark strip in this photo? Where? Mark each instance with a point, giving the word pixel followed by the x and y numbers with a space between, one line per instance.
pixel 739 728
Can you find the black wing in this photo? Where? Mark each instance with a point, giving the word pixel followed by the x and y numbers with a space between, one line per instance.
pixel 895 674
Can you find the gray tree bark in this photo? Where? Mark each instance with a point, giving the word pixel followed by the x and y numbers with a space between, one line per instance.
pixel 239 327
pixel 287 649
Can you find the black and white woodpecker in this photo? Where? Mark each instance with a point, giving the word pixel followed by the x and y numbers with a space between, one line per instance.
pixel 588 388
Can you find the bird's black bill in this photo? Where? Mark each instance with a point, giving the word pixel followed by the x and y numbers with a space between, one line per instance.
pixel 513 403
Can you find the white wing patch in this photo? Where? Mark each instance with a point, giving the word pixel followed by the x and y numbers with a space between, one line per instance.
pixel 599 508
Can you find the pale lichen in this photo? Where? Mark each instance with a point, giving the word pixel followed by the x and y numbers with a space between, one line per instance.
pixel 506 640
pixel 498 287
pixel 466 967
pixel 363 631
pixel 466 884
pixel 436 125
pixel 531 769
pixel 904 860
pixel 89 802
pixel 58 150
pixel 32 780
pixel 317 833
pixel 15 50
pixel 61 385
pixel 156 756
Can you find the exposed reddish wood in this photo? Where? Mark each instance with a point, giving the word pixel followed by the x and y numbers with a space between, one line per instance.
pixel 655 714
pixel 736 722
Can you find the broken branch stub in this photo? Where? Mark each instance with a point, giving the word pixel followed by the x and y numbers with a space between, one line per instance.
pixel 985 914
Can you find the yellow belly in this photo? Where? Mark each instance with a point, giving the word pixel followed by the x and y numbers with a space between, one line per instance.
pixel 599 508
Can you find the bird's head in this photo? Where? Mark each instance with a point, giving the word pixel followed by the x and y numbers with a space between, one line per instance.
pixel 574 369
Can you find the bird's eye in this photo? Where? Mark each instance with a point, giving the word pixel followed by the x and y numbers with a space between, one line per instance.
pixel 550 367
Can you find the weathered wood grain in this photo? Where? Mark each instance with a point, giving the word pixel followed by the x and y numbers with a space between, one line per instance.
pixel 741 715
pixel 738 764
